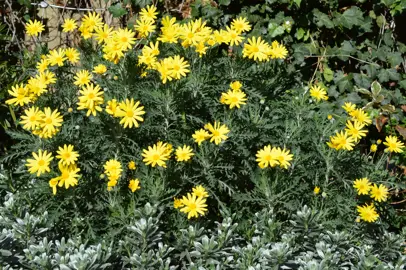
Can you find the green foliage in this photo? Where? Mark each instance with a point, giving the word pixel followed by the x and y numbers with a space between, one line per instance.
pixel 257 219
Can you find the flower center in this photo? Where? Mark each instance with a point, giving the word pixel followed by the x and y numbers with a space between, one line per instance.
pixel 66 155
pixel 33 118
pixel 65 175
pixel 130 113
pixel 155 157
pixel 41 162
pixel 91 96
pixel 48 121
pixel 192 206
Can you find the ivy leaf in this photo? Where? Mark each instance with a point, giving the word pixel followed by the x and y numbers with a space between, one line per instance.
pixel 297 2
pixel 351 17
pixel 372 71
pixel 403 84
pixel 117 10
pixel 328 74
pixel 388 74
pixel 275 29
pixel 224 2
pixel 345 49
pixel 387 3
pixel 300 33
pixel 321 19
pixel 362 80
pixel 394 58
pixel 343 81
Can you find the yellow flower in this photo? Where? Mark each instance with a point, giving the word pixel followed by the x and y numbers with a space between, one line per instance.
pixel 349 107
pixel 236 86
pixel 134 185
pixel 329 117
pixel 355 130
pixel 255 48
pixel 277 51
pixel 68 177
pixel 283 157
pixel 47 77
pixel 148 13
pixel 144 27
pixel 56 57
pixel 91 21
pixel 164 69
pixel 103 33
pixel 184 153
pixel 200 136
pixel 51 121
pixel 200 191
pixel 112 167
pixel 73 55
pixel 177 203
pixel 318 93
pixel 378 142
pixel 82 77
pixel 156 155
pixel 342 140
pixel 124 38
pixel 379 193
pixel 131 113
pixel 42 65
pixel 368 213
pixel 100 69
pixel 363 186
pixel 393 144
pixel 233 37
pixel 85 32
pixel 20 95
pixel 112 107
pixel 36 88
pixel 234 98
pixel 267 156
pixel 33 28
pixel 40 163
pixel 91 98
pixel 69 25
pixel 316 190
pixel 361 116
pixel 32 118
pixel 53 183
pixel 178 67
pixel 131 165
pixel 373 148
pixel 240 25
pixel 193 205
pixel 218 132
pixel 66 155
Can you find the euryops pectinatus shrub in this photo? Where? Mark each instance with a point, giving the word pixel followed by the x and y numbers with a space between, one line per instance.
pixel 151 144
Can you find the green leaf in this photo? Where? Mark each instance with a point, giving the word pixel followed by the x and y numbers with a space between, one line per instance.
pixel 403 84
pixel 117 10
pixel 345 49
pixel 26 3
pixel 351 17
pixel 354 97
pixel 343 81
pixel 387 3
pixel 297 2
pixel 275 30
pixel 328 74
pixel 224 2
pixel 300 33
pixel 394 58
pixel 388 74
pixel 376 88
pixel 322 19
pixel 363 91
pixel 362 80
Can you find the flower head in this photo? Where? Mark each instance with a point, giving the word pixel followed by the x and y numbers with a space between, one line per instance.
pixel 368 213
pixel 218 132
pixel 33 28
pixel 393 144
pixel 131 165
pixel 318 93
pixel 66 155
pixel 134 185
pixel 131 112
pixel 40 162
pixel 193 205
pixel 316 190
pixel 379 193
pixel 362 185
pixel 156 155
pixel 69 25
pixel 200 136
pixel 184 153
pixel 268 156
pixel 200 191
